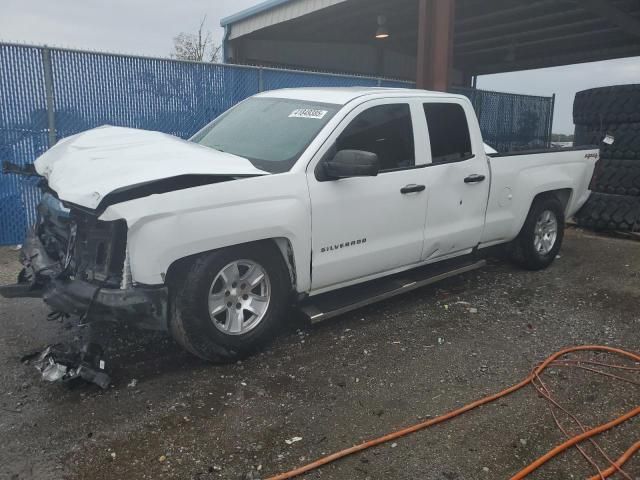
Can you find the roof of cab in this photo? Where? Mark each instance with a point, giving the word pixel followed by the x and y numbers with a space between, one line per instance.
pixel 344 95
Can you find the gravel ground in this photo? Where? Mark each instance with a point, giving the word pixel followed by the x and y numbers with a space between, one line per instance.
pixel 344 381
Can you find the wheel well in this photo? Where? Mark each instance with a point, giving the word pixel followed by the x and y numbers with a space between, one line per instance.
pixel 563 195
pixel 282 245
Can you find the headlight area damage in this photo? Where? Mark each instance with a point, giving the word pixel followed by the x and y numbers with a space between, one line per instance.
pixel 79 266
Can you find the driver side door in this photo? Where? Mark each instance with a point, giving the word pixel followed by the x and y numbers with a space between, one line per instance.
pixel 365 226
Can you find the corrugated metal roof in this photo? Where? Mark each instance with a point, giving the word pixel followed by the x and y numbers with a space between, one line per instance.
pixel 250 12
pixel 270 13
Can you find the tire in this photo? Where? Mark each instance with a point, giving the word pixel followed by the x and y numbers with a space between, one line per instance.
pixel 204 335
pixel 588 135
pixel 617 104
pixel 617 177
pixel 525 249
pixel 610 212
pixel 627 139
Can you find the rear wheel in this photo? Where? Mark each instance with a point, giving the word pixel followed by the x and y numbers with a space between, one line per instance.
pixel 230 302
pixel 540 239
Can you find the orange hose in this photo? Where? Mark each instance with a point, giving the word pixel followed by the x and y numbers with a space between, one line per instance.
pixel 574 441
pixel 601 364
pixel 621 461
pixel 544 391
pixel 599 372
pixel 478 403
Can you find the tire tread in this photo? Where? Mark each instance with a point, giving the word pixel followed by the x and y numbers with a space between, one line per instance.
pixel 627 139
pixel 521 249
pixel 610 212
pixel 617 177
pixel 614 104
pixel 194 332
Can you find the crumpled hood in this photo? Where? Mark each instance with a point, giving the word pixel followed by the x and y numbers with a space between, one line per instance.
pixel 84 168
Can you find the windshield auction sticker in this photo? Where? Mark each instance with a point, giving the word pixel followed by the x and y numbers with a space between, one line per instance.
pixel 308 113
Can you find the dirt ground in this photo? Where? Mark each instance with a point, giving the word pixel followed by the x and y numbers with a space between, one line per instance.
pixel 171 416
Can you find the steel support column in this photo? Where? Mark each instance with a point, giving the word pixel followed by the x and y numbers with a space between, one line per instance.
pixel 435 44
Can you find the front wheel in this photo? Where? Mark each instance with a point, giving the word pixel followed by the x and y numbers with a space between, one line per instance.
pixel 540 239
pixel 230 302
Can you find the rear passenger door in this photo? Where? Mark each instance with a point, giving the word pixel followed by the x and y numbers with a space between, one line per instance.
pixel 458 180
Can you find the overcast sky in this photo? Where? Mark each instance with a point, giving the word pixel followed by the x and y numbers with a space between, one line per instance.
pixel 148 26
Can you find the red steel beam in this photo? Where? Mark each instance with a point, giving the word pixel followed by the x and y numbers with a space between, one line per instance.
pixel 435 44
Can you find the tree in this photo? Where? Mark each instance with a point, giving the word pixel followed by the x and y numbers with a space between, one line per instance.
pixel 196 47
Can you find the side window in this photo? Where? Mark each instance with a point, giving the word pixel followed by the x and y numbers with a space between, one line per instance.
pixel 385 130
pixel 448 132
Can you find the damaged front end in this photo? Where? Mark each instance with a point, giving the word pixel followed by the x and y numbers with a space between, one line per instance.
pixel 79 265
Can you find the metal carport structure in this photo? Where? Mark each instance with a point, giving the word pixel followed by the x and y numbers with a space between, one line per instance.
pixel 437 43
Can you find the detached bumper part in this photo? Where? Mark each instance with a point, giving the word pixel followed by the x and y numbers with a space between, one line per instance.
pixel 62 364
pixel 144 306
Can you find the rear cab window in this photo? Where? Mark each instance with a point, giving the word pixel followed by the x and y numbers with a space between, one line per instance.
pixel 448 132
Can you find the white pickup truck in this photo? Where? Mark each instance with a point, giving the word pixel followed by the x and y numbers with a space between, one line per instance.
pixel 325 199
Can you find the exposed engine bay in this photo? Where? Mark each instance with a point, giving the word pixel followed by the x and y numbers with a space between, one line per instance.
pixel 80 267
pixel 82 246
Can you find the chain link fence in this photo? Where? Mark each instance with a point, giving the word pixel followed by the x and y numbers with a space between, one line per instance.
pixel 47 94
pixel 512 122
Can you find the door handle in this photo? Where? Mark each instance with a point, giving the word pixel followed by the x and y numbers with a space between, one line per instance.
pixel 412 189
pixel 475 178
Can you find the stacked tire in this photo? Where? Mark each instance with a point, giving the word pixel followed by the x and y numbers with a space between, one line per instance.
pixel 614 111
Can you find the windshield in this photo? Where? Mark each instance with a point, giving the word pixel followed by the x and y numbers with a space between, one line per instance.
pixel 272 133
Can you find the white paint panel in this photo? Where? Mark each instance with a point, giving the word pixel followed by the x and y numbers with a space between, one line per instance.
pixel 364 226
pixel 516 180
pixel 86 167
pixel 165 228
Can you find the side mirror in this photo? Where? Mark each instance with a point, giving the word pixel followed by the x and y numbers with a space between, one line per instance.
pixel 352 163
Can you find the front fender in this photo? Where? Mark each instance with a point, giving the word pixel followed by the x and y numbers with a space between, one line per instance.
pixel 165 228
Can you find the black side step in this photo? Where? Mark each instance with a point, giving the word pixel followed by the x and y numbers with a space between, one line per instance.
pixel 328 305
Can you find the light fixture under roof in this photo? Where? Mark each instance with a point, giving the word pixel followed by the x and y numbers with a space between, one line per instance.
pixel 383 30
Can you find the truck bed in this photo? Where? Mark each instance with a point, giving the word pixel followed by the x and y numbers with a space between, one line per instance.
pixel 514 184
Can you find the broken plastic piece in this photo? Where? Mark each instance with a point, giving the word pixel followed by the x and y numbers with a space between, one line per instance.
pixel 58 363
pixel 96 377
pixel 54 371
pixel 28 170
